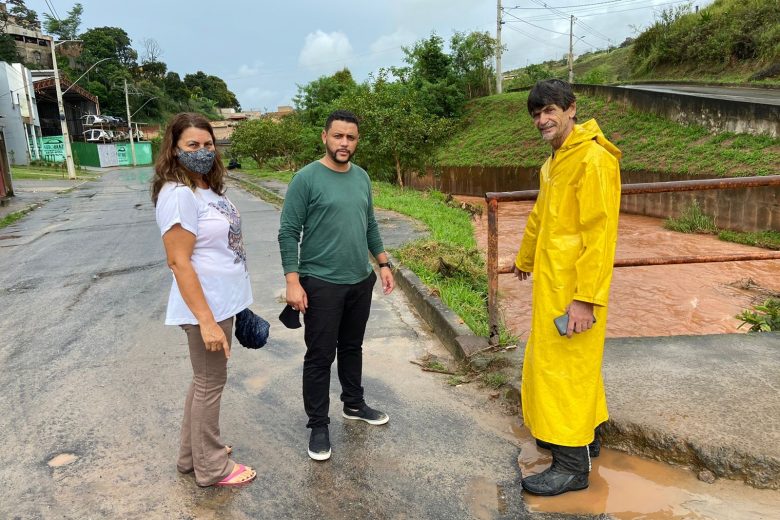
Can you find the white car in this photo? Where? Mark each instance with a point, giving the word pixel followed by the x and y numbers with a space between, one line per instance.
pixel 96 135
pixel 92 120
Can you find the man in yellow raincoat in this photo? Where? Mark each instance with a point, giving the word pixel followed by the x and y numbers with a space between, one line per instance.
pixel 569 246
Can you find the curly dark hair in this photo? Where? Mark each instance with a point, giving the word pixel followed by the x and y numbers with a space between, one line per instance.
pixel 167 167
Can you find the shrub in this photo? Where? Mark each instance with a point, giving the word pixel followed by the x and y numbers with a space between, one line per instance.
pixel 763 318
pixel 692 220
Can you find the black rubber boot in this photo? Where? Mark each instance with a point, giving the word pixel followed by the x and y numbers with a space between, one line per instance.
pixel 594 448
pixel 568 472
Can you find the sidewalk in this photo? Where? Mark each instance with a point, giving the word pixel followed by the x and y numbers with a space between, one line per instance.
pixel 707 402
pixel 30 193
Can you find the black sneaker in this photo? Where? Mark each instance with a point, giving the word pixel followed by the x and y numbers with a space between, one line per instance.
pixel 319 443
pixel 365 413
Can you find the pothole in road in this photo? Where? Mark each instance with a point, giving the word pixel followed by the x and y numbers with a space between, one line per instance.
pixel 63 459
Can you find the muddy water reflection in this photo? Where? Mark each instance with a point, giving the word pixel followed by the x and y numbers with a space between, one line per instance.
pixel 627 487
pixel 652 300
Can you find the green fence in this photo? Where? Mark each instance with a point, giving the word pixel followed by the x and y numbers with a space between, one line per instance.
pixel 97 154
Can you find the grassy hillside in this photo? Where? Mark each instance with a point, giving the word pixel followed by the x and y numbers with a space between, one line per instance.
pixel 497 131
pixel 729 41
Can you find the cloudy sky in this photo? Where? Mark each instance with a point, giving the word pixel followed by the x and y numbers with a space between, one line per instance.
pixel 264 49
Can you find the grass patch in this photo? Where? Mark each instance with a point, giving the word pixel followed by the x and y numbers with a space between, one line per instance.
pixel 494 380
pixel 48 172
pixel 767 239
pixel 448 262
pixel 692 220
pixel 13 217
pixel 249 167
pixel 497 131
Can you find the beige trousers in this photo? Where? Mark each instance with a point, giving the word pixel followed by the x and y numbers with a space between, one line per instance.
pixel 202 449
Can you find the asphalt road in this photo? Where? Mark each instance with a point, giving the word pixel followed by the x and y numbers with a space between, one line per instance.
pixel 93 386
pixel 766 96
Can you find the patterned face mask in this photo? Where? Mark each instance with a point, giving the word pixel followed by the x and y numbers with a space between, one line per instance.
pixel 199 161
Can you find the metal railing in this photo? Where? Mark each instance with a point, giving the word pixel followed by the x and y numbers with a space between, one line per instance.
pixel 493 198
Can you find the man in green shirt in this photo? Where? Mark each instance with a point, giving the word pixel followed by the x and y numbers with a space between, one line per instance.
pixel 328 211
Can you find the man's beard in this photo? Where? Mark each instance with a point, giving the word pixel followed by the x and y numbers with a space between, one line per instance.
pixel 334 154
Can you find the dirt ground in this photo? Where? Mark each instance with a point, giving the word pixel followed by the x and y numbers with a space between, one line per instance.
pixel 665 300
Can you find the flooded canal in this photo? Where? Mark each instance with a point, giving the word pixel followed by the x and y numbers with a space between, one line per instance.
pixel 647 301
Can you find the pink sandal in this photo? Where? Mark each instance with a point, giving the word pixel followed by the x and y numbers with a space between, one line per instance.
pixel 237 470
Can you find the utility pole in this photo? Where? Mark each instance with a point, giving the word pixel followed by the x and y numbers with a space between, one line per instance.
pixel 129 124
pixel 571 50
pixel 499 86
pixel 63 121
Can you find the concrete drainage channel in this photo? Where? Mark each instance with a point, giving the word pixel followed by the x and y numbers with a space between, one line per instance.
pixel 671 398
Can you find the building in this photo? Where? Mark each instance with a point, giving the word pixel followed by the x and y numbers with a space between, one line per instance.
pixel 31 44
pixel 21 124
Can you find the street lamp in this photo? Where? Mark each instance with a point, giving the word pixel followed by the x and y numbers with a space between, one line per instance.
pixel 85 73
pixel 61 108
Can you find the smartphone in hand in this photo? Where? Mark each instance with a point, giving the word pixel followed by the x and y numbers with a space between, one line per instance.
pixel 562 323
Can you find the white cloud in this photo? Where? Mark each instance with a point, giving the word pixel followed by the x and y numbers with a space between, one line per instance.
pixel 256 98
pixel 323 51
pixel 387 42
pixel 247 71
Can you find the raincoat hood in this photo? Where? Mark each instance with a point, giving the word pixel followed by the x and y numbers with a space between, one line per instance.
pixel 589 131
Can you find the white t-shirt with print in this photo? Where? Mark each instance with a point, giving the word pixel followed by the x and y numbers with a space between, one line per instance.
pixel 219 258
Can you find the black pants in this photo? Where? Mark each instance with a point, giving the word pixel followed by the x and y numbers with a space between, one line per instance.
pixel 335 323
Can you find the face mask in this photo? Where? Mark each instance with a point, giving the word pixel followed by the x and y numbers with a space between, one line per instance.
pixel 199 161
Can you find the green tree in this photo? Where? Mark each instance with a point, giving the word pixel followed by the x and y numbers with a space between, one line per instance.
pixel 472 59
pixel 18 13
pixel 397 132
pixel 213 88
pixel 8 51
pixel 109 42
pixel 66 28
pixel 314 101
pixel 428 59
pixel 431 73
pixel 265 139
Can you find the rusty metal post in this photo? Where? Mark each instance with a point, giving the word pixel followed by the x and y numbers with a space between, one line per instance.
pixel 492 266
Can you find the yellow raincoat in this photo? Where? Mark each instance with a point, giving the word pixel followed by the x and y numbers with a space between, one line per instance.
pixel 569 245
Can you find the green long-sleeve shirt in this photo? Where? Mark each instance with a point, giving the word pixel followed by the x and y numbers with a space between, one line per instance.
pixel 331 215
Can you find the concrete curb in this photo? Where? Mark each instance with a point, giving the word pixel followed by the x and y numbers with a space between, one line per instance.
pixel 448 327
pixel 459 340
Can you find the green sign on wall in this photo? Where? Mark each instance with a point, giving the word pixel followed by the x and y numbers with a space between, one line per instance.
pixel 52 148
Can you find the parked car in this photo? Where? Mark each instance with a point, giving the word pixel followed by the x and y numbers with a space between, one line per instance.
pixel 96 135
pixel 92 120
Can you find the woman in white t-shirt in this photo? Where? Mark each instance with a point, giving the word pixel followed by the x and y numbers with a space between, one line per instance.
pixel 201 232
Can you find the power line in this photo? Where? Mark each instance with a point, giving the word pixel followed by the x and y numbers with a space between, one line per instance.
pixel 549 17
pixel 52 10
pixel 534 37
pixel 573 6
pixel 534 25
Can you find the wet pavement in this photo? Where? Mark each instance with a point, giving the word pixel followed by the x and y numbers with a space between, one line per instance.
pixel 648 301
pixel 94 385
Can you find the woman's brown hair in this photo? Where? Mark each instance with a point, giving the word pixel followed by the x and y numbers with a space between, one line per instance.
pixel 167 167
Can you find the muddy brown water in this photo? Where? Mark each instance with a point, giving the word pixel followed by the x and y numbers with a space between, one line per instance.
pixel 628 487
pixel 667 300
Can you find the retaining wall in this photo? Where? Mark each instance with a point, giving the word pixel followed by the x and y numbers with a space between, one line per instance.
pixel 746 209
pixel 715 114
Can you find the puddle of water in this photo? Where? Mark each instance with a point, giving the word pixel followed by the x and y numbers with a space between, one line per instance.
pixel 485 498
pixel 629 487
pixel 683 299
pixel 63 459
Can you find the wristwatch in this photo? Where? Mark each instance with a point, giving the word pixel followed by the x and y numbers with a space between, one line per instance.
pixel 387 264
